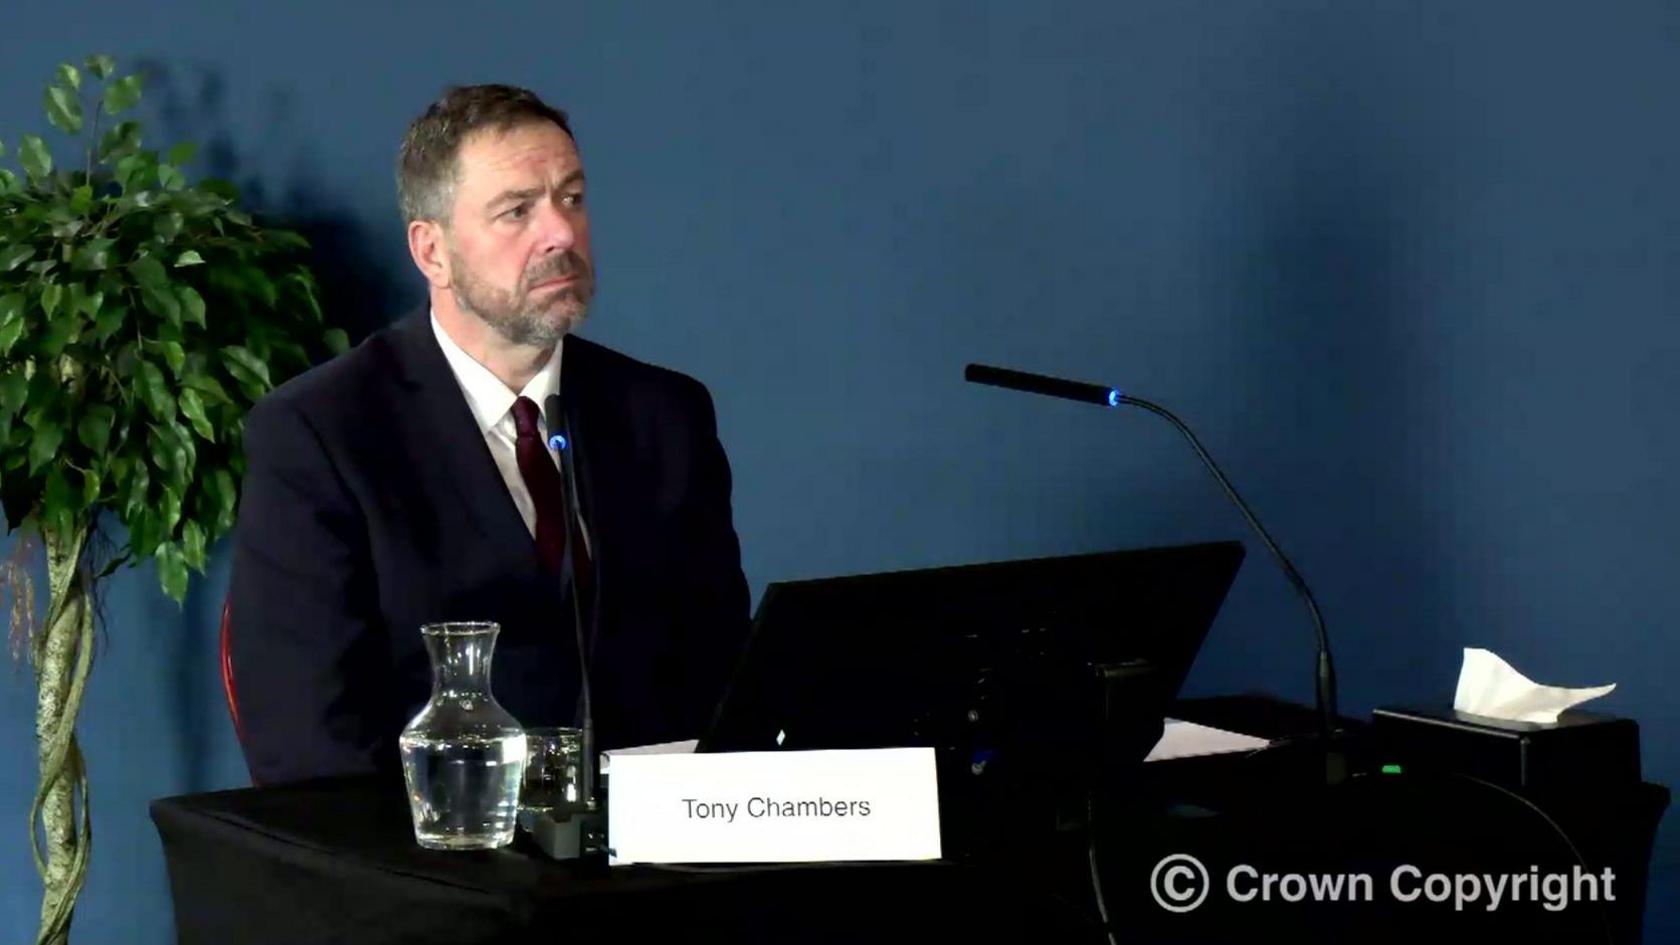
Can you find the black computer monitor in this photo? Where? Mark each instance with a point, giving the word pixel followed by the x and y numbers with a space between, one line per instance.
pixel 1014 671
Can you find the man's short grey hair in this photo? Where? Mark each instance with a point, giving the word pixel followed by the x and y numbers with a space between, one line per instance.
pixel 428 165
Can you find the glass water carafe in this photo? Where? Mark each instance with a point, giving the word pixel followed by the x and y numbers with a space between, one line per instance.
pixel 463 755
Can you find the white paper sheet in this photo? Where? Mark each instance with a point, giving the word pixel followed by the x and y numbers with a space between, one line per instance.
pixel 1181 739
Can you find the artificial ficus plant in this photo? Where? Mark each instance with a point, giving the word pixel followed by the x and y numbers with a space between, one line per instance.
pixel 141 315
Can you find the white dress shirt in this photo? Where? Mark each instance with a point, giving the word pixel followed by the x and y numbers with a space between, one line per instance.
pixel 492 406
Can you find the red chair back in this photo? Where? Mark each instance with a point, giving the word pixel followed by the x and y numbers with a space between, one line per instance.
pixel 227 671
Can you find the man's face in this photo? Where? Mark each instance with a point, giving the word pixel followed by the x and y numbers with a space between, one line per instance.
pixel 518 235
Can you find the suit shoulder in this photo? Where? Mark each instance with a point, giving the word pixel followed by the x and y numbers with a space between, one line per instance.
pixel 337 388
pixel 638 378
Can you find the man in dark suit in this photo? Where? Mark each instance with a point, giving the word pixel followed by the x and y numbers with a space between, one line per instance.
pixel 409 481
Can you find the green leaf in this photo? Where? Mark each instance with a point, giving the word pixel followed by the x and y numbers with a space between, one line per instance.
pixel 168 226
pixel 181 153
pixel 121 141
pixel 51 294
pixel 12 307
pixel 172 450
pixel 59 503
pixel 81 200
pixel 172 571
pixel 57 491
pixel 192 305
pixel 170 178
pixel 43 446
pixel 251 279
pixel 10 332
pixel 135 174
pixel 14 256
pixel 8 181
pixel 193 545
pixel 14 391
pixel 337 341
pixel 69 75
pixel 34 156
pixel 101 66
pixel 143 534
pixel 162 303
pixel 122 95
pixel 208 386
pixel 245 357
pixel 167 455
pixel 66 228
pixel 108 322
pixel 189 450
pixel 154 390
pixel 169 510
pixel 83 301
pixel 189 258
pixel 90 488
pixel 220 486
pixel 149 273
pixel 135 499
pixel 245 366
pixel 306 288
pixel 58 333
pixel 64 110
pixel 285 239
pixel 92 256
pixel 225 191
pixel 173 355
pixel 192 407
pixel 94 429
pixel 60 520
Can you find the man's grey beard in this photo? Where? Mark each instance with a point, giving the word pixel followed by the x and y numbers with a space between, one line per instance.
pixel 517 318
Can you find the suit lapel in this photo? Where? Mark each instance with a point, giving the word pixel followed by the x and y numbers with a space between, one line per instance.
pixel 453 448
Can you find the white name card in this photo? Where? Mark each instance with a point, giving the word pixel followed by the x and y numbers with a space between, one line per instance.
pixel 774 807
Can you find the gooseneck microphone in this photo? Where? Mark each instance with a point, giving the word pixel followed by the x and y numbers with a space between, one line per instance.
pixel 560 441
pixel 1325 688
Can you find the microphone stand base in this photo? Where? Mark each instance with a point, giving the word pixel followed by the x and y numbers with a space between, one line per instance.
pixel 581 835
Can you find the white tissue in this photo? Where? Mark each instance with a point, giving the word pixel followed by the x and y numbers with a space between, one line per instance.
pixel 1487 685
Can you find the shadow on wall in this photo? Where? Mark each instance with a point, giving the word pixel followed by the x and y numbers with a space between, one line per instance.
pixel 358 290
pixel 1329 307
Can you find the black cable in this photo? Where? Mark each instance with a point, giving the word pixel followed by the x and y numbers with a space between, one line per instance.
pixel 1580 859
pixel 1096 874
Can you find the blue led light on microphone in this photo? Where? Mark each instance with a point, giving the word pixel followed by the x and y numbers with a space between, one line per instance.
pixel 1114 397
pixel 557 441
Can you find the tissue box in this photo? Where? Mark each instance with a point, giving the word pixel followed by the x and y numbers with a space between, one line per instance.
pixel 1581 750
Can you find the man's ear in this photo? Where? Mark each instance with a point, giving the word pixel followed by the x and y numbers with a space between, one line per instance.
pixel 430 253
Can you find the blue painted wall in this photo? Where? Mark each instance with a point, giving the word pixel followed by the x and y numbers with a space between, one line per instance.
pixel 1406 266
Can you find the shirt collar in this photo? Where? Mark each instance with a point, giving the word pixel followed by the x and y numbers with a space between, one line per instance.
pixel 489 398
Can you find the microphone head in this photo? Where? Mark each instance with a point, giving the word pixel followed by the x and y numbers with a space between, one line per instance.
pixel 556 423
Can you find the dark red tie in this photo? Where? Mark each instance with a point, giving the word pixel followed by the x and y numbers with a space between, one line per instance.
pixel 543 479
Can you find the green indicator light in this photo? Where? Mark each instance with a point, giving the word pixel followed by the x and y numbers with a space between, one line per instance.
pixel 1390 769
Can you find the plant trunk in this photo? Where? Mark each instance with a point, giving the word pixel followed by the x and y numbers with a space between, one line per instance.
pixel 62 654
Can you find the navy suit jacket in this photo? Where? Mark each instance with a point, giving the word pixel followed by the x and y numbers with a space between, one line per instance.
pixel 371 505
